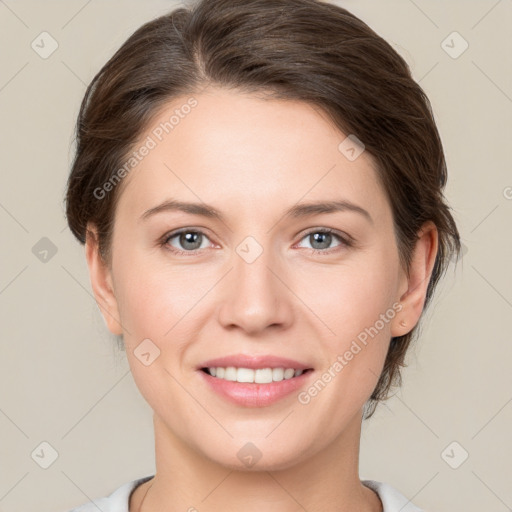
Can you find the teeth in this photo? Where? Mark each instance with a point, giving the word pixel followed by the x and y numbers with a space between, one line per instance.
pixel 230 373
pixel 288 373
pixel 277 374
pixel 259 376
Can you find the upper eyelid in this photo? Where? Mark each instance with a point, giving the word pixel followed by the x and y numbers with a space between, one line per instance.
pixel 172 234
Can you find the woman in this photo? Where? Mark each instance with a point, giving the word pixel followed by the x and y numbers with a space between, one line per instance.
pixel 258 186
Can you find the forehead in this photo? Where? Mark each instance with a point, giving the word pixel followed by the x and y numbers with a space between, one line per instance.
pixel 255 152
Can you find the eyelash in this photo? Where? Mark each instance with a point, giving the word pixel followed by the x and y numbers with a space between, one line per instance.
pixel 346 241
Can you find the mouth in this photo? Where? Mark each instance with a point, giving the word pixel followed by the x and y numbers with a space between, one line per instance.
pixel 254 375
pixel 254 380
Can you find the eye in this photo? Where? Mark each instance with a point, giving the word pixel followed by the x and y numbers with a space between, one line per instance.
pixel 321 240
pixel 189 239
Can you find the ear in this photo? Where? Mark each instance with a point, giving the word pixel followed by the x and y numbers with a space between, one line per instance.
pixel 101 281
pixel 413 297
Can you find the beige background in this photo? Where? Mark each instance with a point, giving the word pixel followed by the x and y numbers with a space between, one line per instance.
pixel 61 378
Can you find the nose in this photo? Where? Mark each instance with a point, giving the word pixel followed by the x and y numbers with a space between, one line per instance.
pixel 256 295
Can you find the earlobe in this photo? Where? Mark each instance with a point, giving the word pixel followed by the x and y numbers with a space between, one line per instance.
pixel 421 267
pixel 101 282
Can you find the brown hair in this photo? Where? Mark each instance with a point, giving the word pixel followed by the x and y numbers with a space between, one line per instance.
pixel 293 49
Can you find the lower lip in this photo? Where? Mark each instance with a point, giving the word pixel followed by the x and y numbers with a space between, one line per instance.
pixel 248 394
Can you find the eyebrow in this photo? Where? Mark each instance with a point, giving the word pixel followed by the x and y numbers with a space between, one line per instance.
pixel 296 211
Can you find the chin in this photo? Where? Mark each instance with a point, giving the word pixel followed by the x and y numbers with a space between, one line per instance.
pixel 248 456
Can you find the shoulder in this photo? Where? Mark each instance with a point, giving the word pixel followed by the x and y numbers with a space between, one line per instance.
pixel 117 501
pixel 392 500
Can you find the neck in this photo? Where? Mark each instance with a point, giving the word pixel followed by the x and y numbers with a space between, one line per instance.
pixel 326 481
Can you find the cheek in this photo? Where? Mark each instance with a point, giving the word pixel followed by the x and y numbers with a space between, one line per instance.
pixel 153 300
pixel 358 307
pixel 356 302
pixel 349 298
pixel 153 308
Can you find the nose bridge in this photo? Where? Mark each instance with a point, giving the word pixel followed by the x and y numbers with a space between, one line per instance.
pixel 255 298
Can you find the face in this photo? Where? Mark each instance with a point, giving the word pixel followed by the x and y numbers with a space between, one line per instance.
pixel 265 282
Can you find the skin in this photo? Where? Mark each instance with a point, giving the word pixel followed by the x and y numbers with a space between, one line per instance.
pixel 252 159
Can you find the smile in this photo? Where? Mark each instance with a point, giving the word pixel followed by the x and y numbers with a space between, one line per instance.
pixel 249 387
pixel 250 375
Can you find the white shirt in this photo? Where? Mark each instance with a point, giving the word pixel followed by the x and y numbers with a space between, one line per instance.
pixel 119 500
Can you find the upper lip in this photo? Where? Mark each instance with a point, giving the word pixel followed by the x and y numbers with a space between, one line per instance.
pixel 254 362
